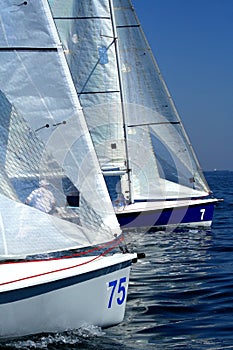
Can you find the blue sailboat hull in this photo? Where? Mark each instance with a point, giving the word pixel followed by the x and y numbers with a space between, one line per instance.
pixel 197 213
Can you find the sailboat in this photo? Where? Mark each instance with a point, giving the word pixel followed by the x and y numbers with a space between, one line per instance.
pixel 60 266
pixel 152 172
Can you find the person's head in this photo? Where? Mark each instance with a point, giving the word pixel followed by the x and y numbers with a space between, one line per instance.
pixel 43 183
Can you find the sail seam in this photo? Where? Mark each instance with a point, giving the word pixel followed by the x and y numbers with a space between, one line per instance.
pixel 128 26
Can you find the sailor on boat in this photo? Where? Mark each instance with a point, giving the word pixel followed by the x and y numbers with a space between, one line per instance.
pixel 42 198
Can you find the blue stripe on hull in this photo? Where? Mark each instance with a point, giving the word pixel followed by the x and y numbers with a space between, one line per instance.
pixel 169 216
pixel 32 291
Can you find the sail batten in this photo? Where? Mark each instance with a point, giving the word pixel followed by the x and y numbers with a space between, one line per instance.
pixel 155 123
pixel 79 17
pixel 19 48
pixel 128 26
pixel 98 92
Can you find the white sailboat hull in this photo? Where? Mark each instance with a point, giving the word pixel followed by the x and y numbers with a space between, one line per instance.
pixel 54 296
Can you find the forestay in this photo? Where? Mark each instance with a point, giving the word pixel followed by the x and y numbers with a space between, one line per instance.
pixel 44 137
pixel 133 120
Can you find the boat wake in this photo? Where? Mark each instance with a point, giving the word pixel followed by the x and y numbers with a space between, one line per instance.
pixel 80 337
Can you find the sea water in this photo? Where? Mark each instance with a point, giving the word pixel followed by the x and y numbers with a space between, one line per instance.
pixel 180 296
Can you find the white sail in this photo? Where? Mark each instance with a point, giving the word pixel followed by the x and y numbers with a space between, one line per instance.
pixel 131 116
pixel 45 136
pixel 150 109
pixel 86 31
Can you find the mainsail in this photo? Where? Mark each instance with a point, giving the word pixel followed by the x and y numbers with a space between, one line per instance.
pixel 151 112
pixel 44 136
pixel 130 114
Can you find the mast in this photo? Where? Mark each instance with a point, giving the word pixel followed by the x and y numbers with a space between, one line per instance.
pixel 128 167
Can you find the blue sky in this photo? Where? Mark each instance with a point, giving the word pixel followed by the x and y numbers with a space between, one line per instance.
pixel 192 41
